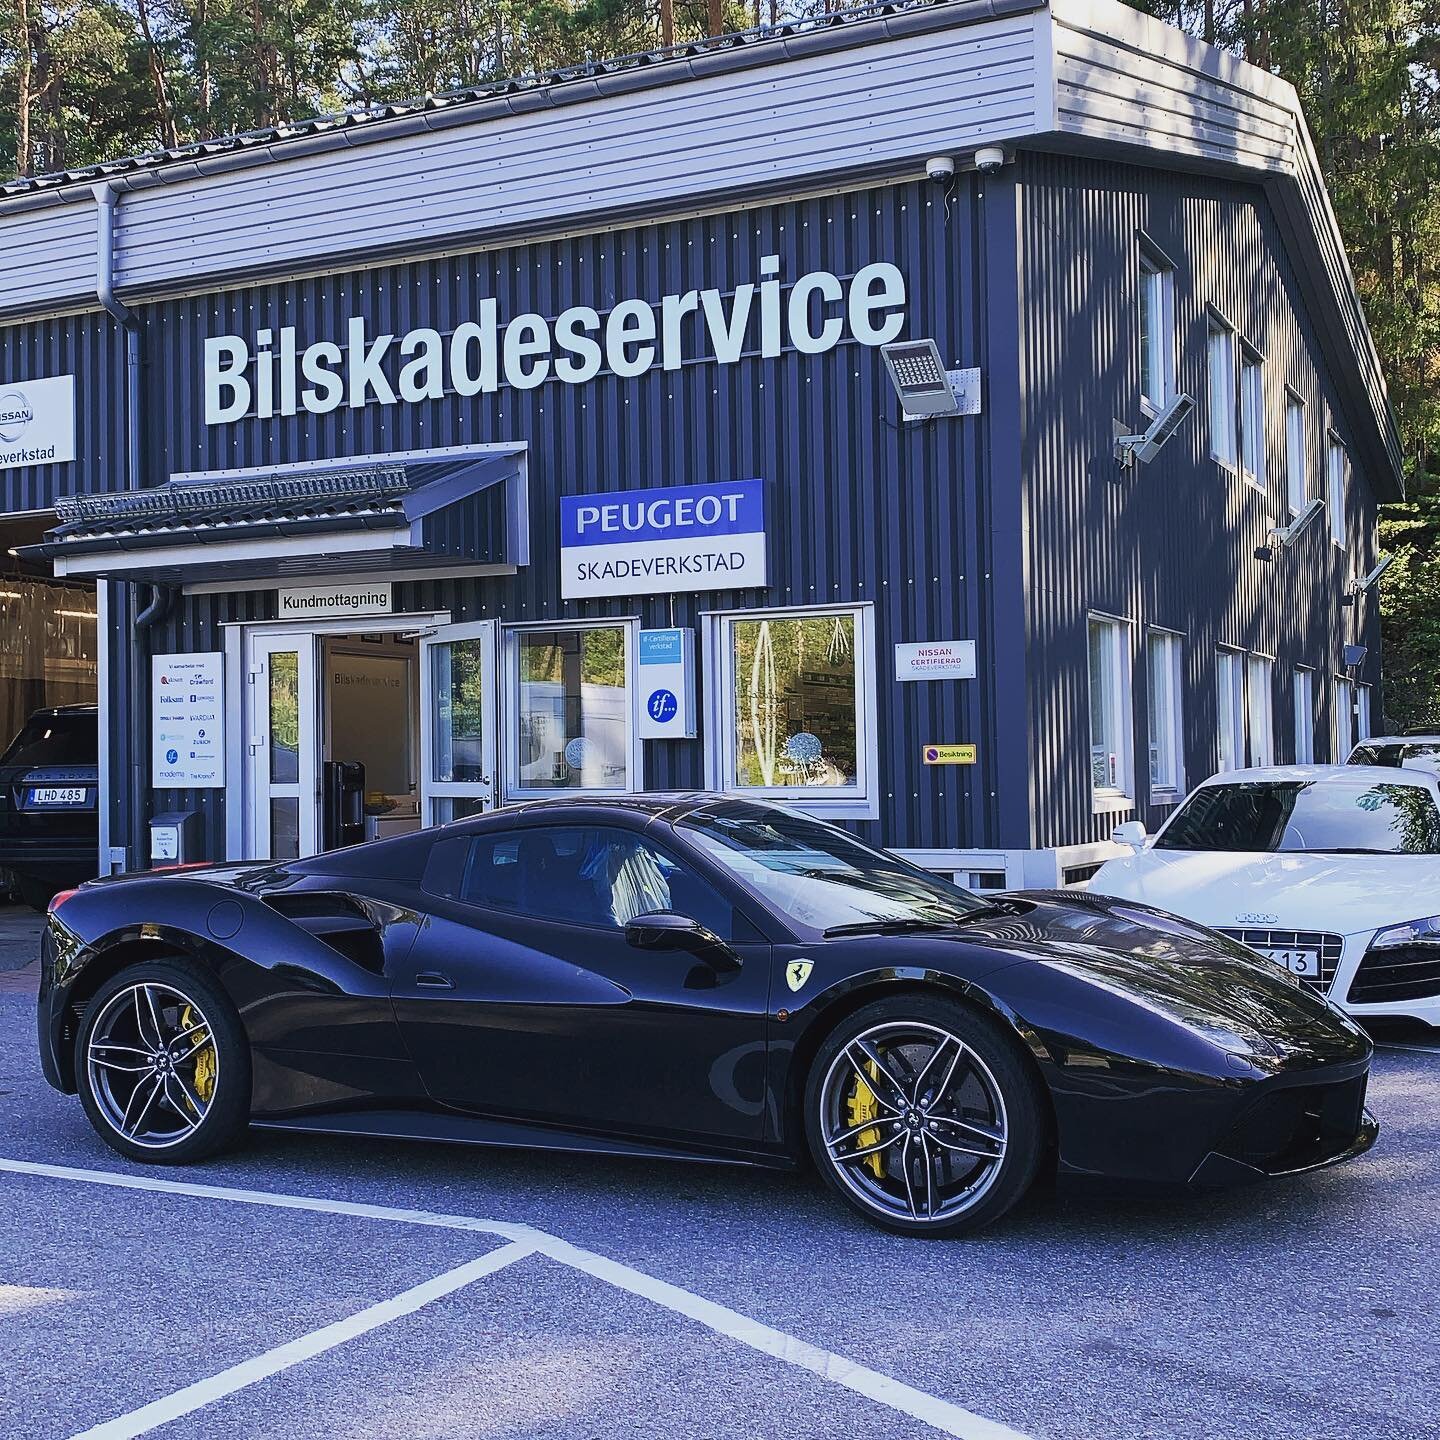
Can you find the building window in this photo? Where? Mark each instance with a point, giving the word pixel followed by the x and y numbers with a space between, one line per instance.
pixel 1157 330
pixel 1230 709
pixel 1362 713
pixel 1163 713
pixel 1335 489
pixel 1222 392
pixel 1344 720
pixel 1295 485
pixel 1259 674
pixel 1304 717
pixel 573 731
pixel 794 708
pixel 1252 419
pixel 1110 709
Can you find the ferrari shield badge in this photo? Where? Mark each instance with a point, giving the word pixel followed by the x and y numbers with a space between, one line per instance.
pixel 797 972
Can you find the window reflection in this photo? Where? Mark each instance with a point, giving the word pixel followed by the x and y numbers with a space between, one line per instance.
pixel 574 723
pixel 796 702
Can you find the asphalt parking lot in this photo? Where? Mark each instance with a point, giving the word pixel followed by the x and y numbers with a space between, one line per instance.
pixel 335 1288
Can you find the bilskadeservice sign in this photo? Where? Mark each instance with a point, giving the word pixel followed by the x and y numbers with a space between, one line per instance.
pixel 271 374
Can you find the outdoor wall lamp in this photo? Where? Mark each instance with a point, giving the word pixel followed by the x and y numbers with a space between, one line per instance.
pixel 1278 540
pixel 1358 587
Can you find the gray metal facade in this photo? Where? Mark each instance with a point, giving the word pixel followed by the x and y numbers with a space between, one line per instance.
pixel 922 521
pixel 1170 545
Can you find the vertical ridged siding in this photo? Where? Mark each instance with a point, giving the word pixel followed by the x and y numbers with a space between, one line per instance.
pixel 861 508
pixel 92 349
pixel 1170 544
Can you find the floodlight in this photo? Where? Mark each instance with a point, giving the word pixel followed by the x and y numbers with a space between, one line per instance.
pixel 1282 539
pixel 918 375
pixel 1144 447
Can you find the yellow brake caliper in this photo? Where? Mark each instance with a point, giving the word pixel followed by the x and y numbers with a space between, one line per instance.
pixel 204 1058
pixel 863 1107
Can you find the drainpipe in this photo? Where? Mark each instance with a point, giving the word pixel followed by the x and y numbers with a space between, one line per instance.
pixel 134 691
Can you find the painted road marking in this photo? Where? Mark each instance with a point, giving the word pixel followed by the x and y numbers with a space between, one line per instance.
pixel 282 1357
pixel 929 1409
pixel 1412 1049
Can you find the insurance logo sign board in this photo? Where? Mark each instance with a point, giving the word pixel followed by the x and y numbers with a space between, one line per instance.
pixel 667 684
pixel 187 721
pixel 37 422
pixel 677 540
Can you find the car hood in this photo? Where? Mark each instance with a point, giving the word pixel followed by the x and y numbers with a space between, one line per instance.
pixel 1346 894
pixel 1200 979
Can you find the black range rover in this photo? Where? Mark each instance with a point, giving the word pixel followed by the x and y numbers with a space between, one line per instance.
pixel 49 783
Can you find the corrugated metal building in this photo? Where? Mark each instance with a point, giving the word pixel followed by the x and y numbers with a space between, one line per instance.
pixel 351 421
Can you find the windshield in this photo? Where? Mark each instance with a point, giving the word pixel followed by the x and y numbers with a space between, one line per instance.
pixel 821 877
pixel 1285 815
pixel 1399 755
pixel 54 740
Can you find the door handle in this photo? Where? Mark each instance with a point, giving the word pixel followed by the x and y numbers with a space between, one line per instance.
pixel 434 980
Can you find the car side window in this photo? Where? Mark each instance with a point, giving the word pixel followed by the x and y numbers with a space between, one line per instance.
pixel 583 875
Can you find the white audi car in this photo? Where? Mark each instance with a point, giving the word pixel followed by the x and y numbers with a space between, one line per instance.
pixel 1332 871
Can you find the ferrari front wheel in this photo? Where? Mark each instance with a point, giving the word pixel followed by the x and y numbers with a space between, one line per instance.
pixel 162 1064
pixel 922 1116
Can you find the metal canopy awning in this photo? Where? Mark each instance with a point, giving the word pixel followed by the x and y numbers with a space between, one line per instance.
pixel 393 514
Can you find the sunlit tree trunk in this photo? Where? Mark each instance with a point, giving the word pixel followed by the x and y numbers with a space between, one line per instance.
pixel 157 75
pixel 24 97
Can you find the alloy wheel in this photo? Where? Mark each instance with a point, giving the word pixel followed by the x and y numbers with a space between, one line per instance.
pixel 913 1122
pixel 153 1065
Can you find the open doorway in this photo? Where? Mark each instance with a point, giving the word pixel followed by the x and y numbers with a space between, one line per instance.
pixel 370 752
pixel 362 731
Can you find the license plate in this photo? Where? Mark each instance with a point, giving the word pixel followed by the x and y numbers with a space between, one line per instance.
pixel 1297 962
pixel 58 795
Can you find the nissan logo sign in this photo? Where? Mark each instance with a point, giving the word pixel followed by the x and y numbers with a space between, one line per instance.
pixel 15 415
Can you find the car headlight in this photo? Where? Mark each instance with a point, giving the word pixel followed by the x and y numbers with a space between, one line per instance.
pixel 1412 932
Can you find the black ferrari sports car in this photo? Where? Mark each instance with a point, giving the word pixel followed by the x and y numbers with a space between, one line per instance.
pixel 698 977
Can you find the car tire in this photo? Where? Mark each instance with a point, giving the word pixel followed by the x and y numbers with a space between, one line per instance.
pixel 943 1148
pixel 192 1103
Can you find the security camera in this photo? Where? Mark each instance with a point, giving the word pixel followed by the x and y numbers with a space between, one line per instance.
pixel 1144 447
pixel 1282 539
pixel 989 158
pixel 940 168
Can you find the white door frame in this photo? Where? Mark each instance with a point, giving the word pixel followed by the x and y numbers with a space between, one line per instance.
pixel 261 788
pixel 243 828
pixel 433 790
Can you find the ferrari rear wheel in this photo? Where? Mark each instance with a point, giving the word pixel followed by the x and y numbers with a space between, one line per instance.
pixel 919 1112
pixel 162 1064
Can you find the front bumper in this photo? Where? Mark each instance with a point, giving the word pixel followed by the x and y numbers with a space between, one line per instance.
pixel 1290 1129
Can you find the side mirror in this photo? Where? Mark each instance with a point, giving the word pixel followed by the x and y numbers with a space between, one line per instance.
pixel 1131 833
pixel 665 930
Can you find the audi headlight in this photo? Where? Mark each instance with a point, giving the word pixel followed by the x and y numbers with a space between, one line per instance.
pixel 1412 932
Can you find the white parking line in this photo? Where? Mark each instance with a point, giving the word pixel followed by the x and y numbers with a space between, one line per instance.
pixel 282 1357
pixel 1413 1049
pixel 928 1409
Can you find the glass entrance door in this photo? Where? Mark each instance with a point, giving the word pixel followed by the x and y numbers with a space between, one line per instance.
pixel 457 729
pixel 283 745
